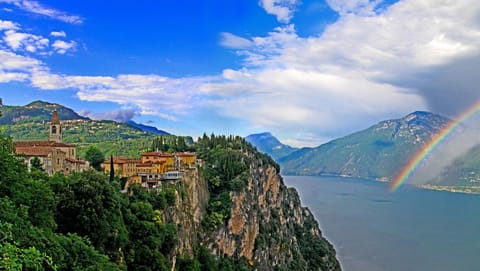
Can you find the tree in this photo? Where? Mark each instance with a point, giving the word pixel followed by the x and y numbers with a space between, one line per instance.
pixel 112 169
pixel 35 163
pixel 95 157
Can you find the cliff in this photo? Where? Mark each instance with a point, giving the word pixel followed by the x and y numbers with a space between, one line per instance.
pixel 251 215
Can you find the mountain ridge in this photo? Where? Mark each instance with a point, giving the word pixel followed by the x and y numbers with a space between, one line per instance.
pixel 269 144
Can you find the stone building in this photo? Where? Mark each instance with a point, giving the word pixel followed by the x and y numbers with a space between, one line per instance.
pixel 54 155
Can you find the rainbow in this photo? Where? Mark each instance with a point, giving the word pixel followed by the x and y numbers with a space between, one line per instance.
pixel 438 138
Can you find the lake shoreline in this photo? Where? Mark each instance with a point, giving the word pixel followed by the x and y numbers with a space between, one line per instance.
pixel 473 190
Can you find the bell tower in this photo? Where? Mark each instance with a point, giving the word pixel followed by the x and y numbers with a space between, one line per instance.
pixel 55 132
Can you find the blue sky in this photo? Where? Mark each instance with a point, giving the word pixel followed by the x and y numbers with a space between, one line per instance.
pixel 307 71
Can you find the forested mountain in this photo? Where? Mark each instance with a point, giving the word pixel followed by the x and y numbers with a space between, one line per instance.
pixel 381 151
pixel 38 111
pixel 377 152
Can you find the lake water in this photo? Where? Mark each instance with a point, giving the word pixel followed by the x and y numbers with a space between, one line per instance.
pixel 373 229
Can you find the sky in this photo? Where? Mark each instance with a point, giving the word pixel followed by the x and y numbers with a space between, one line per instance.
pixel 306 71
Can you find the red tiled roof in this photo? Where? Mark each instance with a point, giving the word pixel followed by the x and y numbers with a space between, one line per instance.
pixel 33 151
pixel 157 153
pixel 29 144
pixel 75 161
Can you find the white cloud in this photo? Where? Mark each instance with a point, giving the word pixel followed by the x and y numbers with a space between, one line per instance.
pixel 62 47
pixel 24 41
pixel 233 41
pixel 8 25
pixel 37 8
pixel 361 7
pixel 282 9
pixel 58 34
pixel 365 67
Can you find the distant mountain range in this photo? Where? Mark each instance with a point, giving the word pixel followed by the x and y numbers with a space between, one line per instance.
pixel 267 143
pixel 377 152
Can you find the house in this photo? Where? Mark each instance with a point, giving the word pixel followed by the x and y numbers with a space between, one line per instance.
pixel 152 168
pixel 54 155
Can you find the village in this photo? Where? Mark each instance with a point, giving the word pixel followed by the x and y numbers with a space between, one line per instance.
pixel 55 156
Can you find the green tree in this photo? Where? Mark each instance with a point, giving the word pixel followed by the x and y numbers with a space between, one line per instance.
pixel 95 157
pixel 90 206
pixel 112 169
pixel 35 163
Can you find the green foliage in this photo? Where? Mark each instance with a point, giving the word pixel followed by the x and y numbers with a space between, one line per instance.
pixel 13 257
pixel 226 169
pixel 36 164
pixel 89 205
pixel 95 157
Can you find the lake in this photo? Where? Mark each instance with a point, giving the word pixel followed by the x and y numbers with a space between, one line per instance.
pixel 373 229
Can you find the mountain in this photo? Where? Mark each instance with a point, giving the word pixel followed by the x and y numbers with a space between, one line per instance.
pixel 29 122
pixel 37 111
pixel 146 128
pixel 267 143
pixel 377 152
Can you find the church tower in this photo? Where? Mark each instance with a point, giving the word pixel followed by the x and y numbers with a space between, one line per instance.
pixel 55 133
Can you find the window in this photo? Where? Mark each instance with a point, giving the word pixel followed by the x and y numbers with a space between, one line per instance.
pixel 54 129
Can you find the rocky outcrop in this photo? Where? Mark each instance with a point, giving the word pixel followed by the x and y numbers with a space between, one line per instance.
pixel 267 224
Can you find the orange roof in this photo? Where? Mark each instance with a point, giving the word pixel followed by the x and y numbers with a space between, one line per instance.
pixel 157 153
pixel 75 161
pixel 30 144
pixel 33 151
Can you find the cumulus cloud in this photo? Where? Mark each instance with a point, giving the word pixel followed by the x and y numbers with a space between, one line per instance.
pixel 62 47
pixel 361 7
pixel 282 9
pixel 58 34
pixel 24 41
pixel 15 39
pixel 118 115
pixel 37 8
pixel 369 65
pixel 8 25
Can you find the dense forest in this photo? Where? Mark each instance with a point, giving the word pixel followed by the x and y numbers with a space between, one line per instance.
pixel 83 222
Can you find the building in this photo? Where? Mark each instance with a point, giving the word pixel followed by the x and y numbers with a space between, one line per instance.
pixel 152 168
pixel 54 155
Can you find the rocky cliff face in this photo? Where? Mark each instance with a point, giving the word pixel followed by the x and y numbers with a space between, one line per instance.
pixel 267 224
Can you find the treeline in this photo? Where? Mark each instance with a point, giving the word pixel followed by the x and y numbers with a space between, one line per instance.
pixel 84 222
pixel 226 168
pixel 172 144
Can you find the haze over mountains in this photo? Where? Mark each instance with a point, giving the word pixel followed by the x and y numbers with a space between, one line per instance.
pixel 381 151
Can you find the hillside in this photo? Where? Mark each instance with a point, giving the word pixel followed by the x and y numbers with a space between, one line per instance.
pixel 29 122
pixel 37 111
pixel 267 143
pixel 375 153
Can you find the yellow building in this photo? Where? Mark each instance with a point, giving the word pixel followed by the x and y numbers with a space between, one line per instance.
pixel 122 166
pixel 152 168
